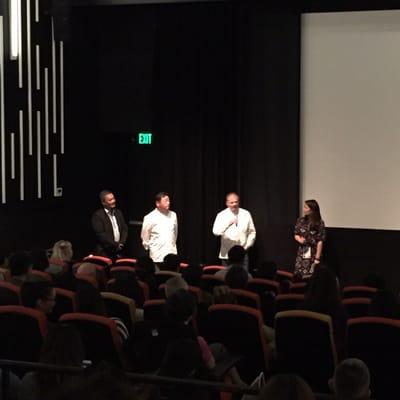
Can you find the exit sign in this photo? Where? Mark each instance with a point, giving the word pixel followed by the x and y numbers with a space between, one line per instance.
pixel 145 137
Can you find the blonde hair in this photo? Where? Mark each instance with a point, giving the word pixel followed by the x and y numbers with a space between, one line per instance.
pixel 62 250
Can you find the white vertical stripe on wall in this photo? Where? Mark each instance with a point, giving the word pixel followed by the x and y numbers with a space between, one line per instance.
pixel 36 10
pixel 39 156
pixel 53 55
pixel 62 96
pixel 12 151
pixel 46 109
pixel 2 116
pixel 37 67
pixel 21 156
pixel 55 183
pixel 29 62
pixel 20 77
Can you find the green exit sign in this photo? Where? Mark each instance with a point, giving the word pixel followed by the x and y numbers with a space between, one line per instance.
pixel 145 137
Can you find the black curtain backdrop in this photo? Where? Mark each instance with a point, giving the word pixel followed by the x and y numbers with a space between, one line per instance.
pixel 225 114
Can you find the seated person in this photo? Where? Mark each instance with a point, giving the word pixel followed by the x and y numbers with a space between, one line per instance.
pixel 237 277
pixel 174 284
pixel 351 380
pixel 39 295
pixel 171 263
pixel 236 257
pixel 20 264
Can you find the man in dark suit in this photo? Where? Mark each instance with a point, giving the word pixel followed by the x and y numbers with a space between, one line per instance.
pixel 109 226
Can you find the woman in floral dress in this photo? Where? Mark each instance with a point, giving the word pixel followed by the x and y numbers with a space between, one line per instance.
pixel 310 234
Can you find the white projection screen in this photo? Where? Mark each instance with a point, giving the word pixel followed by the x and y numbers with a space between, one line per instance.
pixel 350 117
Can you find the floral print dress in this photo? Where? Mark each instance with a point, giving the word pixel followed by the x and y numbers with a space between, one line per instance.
pixel 306 252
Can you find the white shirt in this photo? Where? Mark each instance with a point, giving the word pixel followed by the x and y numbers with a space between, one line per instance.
pixel 114 224
pixel 159 234
pixel 242 233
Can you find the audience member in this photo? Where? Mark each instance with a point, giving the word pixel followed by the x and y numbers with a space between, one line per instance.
pixel 61 257
pixel 323 296
pixel 236 256
pixel 20 264
pixel 62 347
pixel 145 270
pixel 40 262
pixel 192 275
pixel 237 277
pixel 286 387
pixel 126 284
pixel 90 301
pixel 39 295
pixel 174 284
pixel 351 380
pixel 171 263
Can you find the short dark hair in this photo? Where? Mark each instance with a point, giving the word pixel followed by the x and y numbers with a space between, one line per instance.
pixel 32 291
pixel 103 194
pixel 19 263
pixel 160 195
pixel 171 262
pixel 237 277
pixel 236 255
pixel 180 306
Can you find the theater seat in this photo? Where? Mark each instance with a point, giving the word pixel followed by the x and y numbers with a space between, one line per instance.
pixel 9 294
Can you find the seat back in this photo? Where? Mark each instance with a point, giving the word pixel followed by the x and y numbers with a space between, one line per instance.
pixel 298 287
pixel 22 333
pixel 121 307
pixel 357 306
pixel 99 336
pixel 358 291
pixel 209 282
pixel 45 276
pixel 9 294
pixel 125 262
pixel 305 346
pixel 162 276
pixel 240 329
pixel 246 298
pixel 261 286
pixel 282 275
pixel 154 310
pixel 285 302
pixel 114 271
pixel 65 303
pixel 212 269
pixel 376 341
pixel 98 260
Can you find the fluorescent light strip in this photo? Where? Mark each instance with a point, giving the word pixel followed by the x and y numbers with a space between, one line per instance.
pixel 15 28
pixel 36 10
pixel 2 116
pixel 53 54
pixel 62 96
pixel 46 109
pixel 39 156
pixel 20 76
pixel 12 155
pixel 28 45
pixel 21 156
pixel 37 67
pixel 55 183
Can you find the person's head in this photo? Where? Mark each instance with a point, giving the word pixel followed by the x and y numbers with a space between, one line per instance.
pixel 223 295
pixel 89 299
pixel 237 277
pixel 182 359
pixel 236 255
pixel 180 306
pixel 40 262
pixel 375 281
pixel 232 201
pixel 192 275
pixel 162 202
pixel 174 284
pixel 267 270
pixel 126 284
pixel 63 346
pixel 62 250
pixel 107 199
pixel 171 262
pixel 286 387
pixel 20 263
pixel 384 304
pixel 312 212
pixel 87 268
pixel 39 295
pixel 145 263
pixel 351 380
pixel 323 293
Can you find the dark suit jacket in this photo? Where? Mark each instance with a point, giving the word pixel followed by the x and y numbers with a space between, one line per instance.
pixel 102 227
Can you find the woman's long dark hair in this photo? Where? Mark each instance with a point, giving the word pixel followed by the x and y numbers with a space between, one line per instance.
pixel 315 217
